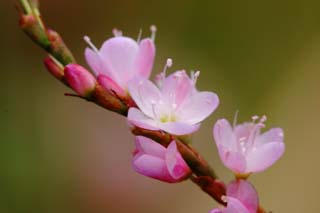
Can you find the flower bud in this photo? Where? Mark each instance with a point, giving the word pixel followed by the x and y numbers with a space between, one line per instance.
pixel 54 67
pixel 33 29
pixel 58 48
pixel 155 161
pixel 80 79
pixel 111 86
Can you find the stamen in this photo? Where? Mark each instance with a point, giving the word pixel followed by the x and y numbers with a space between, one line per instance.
pixel 235 118
pixel 153 30
pixel 88 41
pixel 263 119
pixel 254 118
pixel 166 66
pixel 139 36
pixel 116 32
pixel 194 76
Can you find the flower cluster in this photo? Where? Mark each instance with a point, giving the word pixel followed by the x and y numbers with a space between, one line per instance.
pixel 162 114
pixel 173 105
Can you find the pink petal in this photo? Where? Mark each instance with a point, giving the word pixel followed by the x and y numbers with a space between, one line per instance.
pixel 244 192
pixel 232 160
pixel 264 156
pixel 153 167
pixel 177 87
pixel 94 62
pixel 235 206
pixel 145 94
pixel 177 167
pixel 177 128
pixel 137 118
pixel 119 54
pixel 243 130
pixel 198 107
pixel 145 58
pixel 224 136
pixel 273 135
pixel 216 211
pixel 148 146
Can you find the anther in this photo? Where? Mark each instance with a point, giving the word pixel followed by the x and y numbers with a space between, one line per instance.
pixel 88 41
pixel 153 30
pixel 194 76
pixel 116 32
pixel 263 119
pixel 254 118
pixel 168 65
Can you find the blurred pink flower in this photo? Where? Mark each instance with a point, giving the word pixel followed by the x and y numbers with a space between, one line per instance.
pixel 79 79
pixel 175 106
pixel 153 160
pixel 244 150
pixel 241 198
pixel 120 59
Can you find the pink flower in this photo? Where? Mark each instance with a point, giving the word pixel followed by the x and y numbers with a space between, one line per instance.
pixel 174 106
pixel 120 59
pixel 153 160
pixel 79 79
pixel 244 150
pixel 241 198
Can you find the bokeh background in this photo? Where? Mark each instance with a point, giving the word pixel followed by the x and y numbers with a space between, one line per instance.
pixel 61 154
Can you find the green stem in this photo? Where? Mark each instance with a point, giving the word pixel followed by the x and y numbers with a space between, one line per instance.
pixel 26 6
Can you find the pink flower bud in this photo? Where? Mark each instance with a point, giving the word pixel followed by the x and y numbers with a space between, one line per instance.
pixel 241 198
pixel 153 160
pixel 244 150
pixel 54 68
pixel 80 79
pixel 107 83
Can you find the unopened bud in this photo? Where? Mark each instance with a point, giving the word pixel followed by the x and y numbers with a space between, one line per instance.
pixel 108 100
pixel 54 67
pixel 111 86
pixel 58 48
pixel 34 30
pixel 80 79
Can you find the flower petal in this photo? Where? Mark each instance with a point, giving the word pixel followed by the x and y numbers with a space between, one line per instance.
pixel 245 193
pixel 198 107
pixel 273 135
pixel 119 54
pixel 264 156
pixel 243 130
pixel 137 118
pixel 235 206
pixel 216 211
pixel 148 146
pixel 177 87
pixel 145 58
pixel 153 167
pixel 232 160
pixel 177 128
pixel 177 167
pixel 145 94
pixel 224 136
pixel 94 61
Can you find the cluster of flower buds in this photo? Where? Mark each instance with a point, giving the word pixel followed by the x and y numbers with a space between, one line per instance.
pixel 163 115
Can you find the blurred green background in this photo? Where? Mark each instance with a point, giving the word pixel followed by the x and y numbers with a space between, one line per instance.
pixel 61 154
